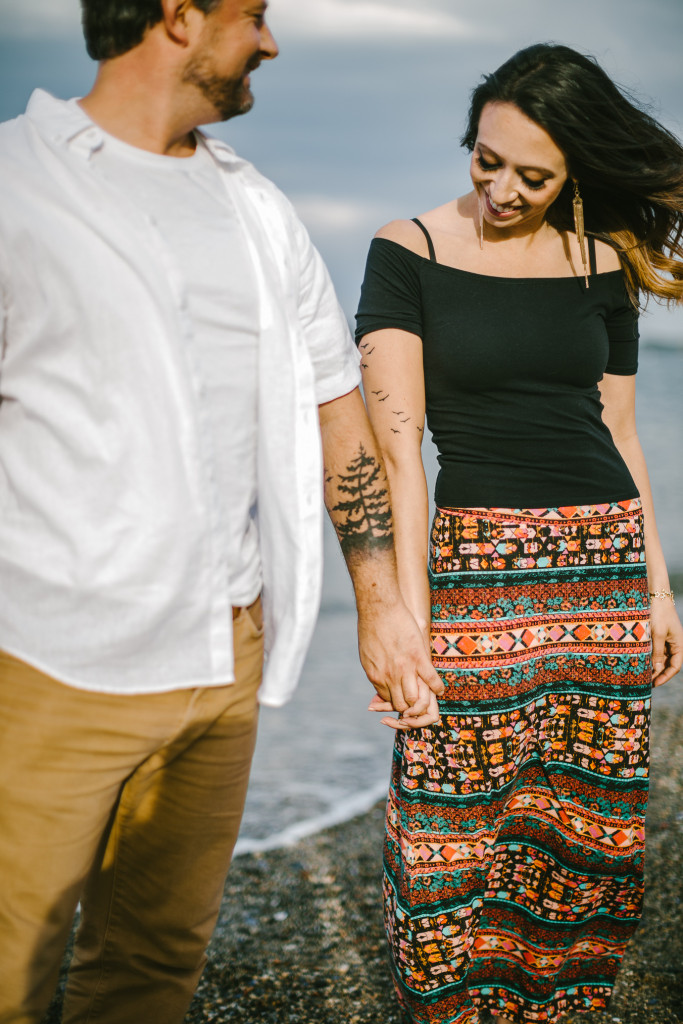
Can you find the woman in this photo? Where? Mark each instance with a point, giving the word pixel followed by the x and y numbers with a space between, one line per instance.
pixel 514 848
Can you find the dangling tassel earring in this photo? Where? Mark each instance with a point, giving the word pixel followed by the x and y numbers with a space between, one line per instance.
pixel 577 203
pixel 481 222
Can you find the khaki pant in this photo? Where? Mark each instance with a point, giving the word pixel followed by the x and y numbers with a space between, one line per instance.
pixel 131 804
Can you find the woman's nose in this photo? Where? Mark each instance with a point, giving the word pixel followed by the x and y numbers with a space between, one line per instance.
pixel 502 188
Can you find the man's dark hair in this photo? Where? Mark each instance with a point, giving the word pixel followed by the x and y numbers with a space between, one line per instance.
pixel 112 27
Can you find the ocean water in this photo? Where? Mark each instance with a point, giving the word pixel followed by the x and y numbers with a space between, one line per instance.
pixel 324 757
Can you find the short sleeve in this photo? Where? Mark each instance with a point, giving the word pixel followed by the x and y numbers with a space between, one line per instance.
pixel 391 293
pixel 325 328
pixel 622 331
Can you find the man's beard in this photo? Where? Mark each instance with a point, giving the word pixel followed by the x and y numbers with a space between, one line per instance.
pixel 229 96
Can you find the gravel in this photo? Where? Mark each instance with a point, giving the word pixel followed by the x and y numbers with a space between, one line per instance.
pixel 300 936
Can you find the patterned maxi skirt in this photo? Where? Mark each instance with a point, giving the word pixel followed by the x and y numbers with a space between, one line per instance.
pixel 514 844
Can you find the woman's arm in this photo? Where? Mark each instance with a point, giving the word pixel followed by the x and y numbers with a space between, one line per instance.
pixel 393 382
pixel 618 399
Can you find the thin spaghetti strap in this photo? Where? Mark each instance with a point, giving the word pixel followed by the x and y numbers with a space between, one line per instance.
pixel 591 254
pixel 430 244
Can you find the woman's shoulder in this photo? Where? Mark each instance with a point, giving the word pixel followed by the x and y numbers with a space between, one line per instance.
pixel 405 233
pixel 411 236
pixel 606 258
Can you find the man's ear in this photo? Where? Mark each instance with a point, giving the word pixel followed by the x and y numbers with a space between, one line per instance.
pixel 181 20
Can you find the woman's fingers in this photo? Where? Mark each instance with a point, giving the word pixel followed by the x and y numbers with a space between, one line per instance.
pixel 667 642
pixel 414 718
pixel 422 701
pixel 409 692
pixel 658 654
pixel 430 676
pixel 378 704
pixel 672 666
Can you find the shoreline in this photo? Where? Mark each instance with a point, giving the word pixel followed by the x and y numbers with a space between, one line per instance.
pixel 346 810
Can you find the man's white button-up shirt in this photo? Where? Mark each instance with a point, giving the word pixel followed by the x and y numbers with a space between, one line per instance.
pixel 112 555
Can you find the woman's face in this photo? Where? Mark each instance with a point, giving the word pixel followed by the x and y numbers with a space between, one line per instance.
pixel 516 168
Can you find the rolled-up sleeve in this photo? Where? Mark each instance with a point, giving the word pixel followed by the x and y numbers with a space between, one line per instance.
pixel 325 328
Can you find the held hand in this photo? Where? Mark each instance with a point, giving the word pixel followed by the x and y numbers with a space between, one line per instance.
pixel 410 719
pixel 667 641
pixel 397 663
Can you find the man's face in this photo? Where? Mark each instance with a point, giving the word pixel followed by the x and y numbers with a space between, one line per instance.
pixel 234 40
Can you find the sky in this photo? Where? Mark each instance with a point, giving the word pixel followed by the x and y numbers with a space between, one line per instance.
pixel 358 119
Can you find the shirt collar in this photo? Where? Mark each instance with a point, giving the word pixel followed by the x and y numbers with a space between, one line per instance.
pixel 63 121
pixel 220 150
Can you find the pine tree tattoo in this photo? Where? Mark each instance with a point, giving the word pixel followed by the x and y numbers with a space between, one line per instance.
pixel 364 523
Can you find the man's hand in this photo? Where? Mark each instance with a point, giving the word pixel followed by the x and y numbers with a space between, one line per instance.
pixel 397 663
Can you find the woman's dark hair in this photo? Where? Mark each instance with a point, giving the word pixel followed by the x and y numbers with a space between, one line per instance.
pixel 628 166
pixel 112 27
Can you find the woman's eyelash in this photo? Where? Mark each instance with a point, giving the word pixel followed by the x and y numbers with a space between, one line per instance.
pixel 486 166
pixel 533 184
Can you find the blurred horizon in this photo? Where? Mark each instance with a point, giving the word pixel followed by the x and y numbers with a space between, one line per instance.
pixel 358 120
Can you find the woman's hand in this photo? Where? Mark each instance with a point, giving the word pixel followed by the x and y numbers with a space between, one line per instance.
pixel 667 640
pixel 412 718
pixel 618 396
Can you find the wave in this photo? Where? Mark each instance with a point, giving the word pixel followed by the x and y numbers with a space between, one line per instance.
pixel 344 810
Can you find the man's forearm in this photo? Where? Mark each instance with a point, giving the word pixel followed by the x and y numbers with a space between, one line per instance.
pixel 391 646
pixel 357 499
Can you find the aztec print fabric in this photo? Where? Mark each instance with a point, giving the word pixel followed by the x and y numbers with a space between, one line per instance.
pixel 515 840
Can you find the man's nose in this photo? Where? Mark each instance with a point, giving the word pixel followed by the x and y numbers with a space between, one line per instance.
pixel 269 48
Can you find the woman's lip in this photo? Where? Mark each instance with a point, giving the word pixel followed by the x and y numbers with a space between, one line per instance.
pixel 496 213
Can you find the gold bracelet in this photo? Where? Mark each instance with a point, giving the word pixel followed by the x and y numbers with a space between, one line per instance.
pixel 663 594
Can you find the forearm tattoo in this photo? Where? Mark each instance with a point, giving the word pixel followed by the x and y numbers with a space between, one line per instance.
pixel 363 518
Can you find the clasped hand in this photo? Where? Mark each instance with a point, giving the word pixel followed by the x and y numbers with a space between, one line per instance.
pixel 395 656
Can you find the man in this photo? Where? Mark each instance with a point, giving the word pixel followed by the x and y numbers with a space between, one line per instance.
pixel 167 334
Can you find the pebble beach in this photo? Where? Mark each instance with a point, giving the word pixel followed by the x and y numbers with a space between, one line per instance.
pixel 300 939
pixel 300 936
